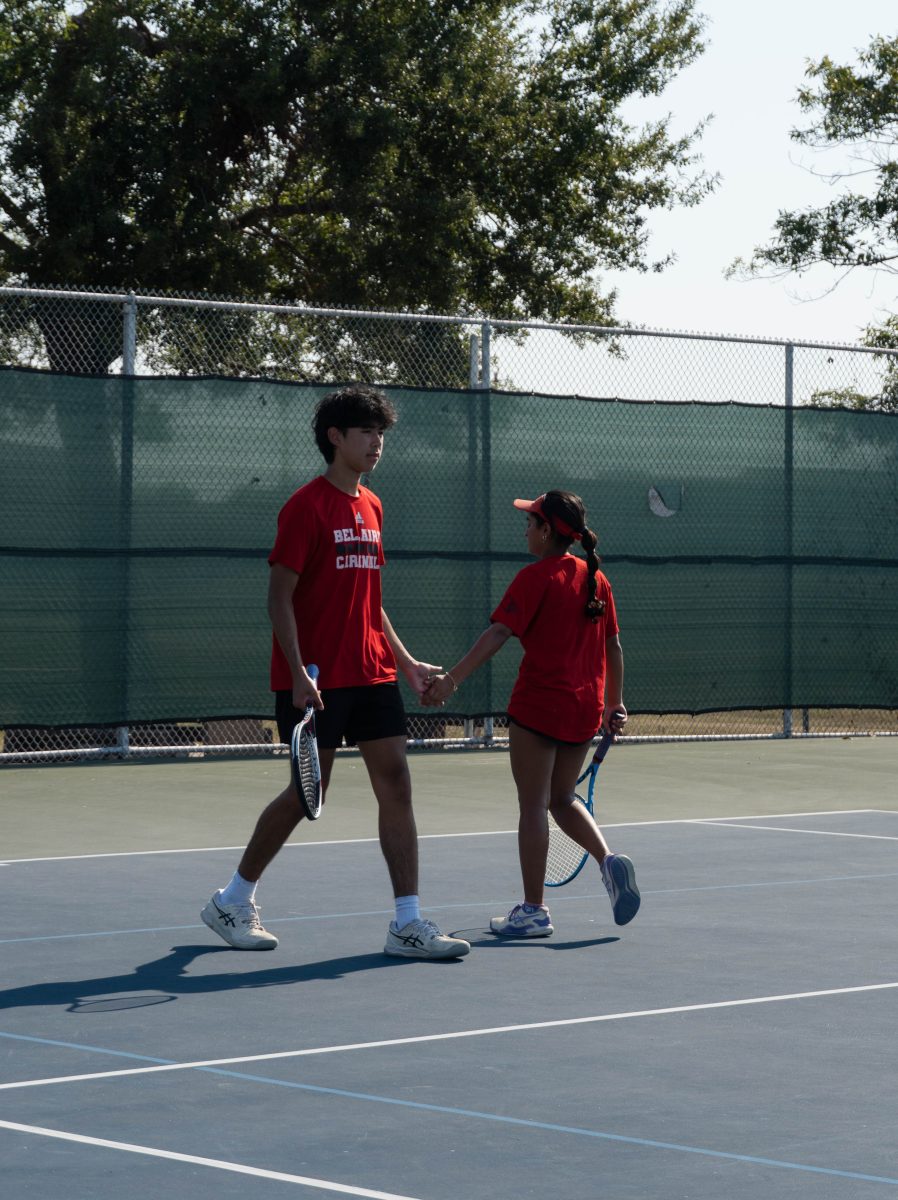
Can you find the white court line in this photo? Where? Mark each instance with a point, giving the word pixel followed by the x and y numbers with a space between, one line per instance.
pixel 11 862
pixel 874 837
pixel 823 812
pixel 325 1185
pixel 444 1037
pixel 830 812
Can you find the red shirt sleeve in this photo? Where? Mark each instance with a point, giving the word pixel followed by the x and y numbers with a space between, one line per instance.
pixel 610 619
pixel 518 606
pixel 297 536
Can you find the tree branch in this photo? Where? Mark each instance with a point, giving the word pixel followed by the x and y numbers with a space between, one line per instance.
pixel 17 215
pixel 138 35
pixel 261 212
pixel 7 244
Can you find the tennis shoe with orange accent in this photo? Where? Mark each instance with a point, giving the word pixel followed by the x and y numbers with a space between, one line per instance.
pixel 619 877
pixel 521 922
pixel 422 939
pixel 238 924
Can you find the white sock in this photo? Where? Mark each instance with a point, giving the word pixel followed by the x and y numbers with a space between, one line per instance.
pixel 238 891
pixel 408 908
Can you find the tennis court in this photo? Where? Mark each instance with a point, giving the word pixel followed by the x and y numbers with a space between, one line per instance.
pixel 737 1038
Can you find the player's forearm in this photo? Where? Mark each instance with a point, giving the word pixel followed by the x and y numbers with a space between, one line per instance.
pixel 403 658
pixel 489 643
pixel 283 623
pixel 614 675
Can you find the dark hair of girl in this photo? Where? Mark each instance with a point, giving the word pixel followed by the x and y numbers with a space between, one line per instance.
pixel 570 509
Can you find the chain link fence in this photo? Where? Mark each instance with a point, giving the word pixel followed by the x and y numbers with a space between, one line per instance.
pixel 131 334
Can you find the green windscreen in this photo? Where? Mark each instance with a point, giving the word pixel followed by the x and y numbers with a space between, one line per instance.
pixel 753 551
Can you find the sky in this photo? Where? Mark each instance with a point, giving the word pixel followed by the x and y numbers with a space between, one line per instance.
pixel 748 78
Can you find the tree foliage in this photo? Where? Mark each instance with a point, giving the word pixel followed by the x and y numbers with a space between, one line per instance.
pixel 416 154
pixel 879 337
pixel 854 108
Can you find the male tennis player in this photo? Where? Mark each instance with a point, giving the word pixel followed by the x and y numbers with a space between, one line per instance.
pixel 324 601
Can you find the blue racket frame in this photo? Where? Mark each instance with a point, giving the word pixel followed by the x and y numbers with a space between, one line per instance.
pixel 605 743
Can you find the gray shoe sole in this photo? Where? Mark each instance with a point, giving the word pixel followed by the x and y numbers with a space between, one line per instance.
pixel 524 934
pixel 626 900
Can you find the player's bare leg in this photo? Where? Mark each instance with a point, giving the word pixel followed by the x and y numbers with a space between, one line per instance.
pixel 387 764
pixel 410 935
pixel 276 823
pixel 532 766
pixel 574 819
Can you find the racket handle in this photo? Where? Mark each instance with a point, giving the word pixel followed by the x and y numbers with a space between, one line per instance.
pixel 312 672
pixel 606 741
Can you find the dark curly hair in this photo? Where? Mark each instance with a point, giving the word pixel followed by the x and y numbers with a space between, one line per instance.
pixel 352 406
pixel 570 509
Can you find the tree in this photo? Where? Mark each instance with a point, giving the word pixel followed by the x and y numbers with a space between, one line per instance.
pixel 881 337
pixel 854 109
pixel 444 155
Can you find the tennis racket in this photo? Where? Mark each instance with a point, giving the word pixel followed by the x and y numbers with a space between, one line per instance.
pixel 304 765
pixel 566 859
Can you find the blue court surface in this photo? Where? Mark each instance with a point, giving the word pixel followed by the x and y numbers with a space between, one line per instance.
pixel 736 1041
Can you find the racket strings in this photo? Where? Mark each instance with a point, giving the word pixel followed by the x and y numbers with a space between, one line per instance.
pixel 309 767
pixel 565 856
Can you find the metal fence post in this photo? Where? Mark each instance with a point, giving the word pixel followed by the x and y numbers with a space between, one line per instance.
pixel 129 357
pixel 788 469
pixel 473 362
pixel 129 334
pixel 486 382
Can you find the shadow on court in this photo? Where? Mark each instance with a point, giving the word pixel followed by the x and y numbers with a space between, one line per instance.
pixel 168 975
pixel 483 938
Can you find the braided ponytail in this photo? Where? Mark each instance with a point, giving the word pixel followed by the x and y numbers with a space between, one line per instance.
pixel 594 608
pixel 571 510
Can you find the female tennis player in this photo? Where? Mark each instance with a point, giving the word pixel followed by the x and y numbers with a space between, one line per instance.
pixel 569 685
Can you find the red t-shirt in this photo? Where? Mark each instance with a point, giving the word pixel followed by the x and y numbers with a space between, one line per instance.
pixel 560 687
pixel 333 542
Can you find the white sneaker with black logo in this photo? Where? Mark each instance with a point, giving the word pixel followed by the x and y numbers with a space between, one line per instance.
pixel 422 939
pixel 238 924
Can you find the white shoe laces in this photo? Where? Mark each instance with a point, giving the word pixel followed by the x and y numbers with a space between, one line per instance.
pixel 428 927
pixel 251 919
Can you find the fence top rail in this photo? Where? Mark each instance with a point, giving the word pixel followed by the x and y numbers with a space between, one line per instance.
pixel 235 305
pixel 496 324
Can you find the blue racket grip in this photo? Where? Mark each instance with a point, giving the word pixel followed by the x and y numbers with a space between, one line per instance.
pixel 606 743
pixel 312 672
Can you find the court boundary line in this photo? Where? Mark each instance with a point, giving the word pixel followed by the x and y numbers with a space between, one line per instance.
pixel 420 1039
pixel 371 1194
pixel 571 897
pixel 423 837
pixel 197 1160
pixel 873 837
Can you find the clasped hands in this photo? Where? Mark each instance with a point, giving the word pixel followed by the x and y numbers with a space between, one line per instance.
pixel 431 683
pixel 439 688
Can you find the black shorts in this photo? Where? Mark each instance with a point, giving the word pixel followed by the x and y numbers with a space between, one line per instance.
pixel 360 714
pixel 546 736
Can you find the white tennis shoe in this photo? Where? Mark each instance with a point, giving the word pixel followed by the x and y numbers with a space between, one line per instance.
pixel 523 924
pixel 238 924
pixel 619 877
pixel 422 939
